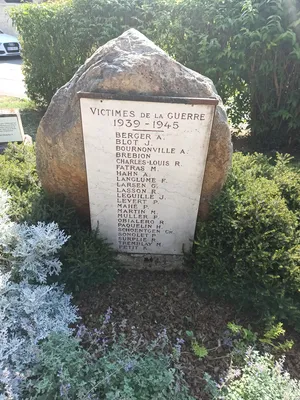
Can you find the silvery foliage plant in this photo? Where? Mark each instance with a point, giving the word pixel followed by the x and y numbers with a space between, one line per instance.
pixel 261 377
pixel 29 308
pixel 33 251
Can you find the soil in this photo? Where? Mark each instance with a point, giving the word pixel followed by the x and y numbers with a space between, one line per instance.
pixel 152 301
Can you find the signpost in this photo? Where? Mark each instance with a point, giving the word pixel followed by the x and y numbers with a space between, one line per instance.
pixel 11 129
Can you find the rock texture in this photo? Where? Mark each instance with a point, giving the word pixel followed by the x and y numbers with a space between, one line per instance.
pixel 129 64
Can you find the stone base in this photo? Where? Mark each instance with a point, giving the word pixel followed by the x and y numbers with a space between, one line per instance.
pixel 152 262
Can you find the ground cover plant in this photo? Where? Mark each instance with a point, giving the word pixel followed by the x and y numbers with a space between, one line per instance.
pixel 252 238
pixel 103 365
pixel 152 301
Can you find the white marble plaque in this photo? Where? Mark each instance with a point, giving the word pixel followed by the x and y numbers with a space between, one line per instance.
pixel 145 163
pixel 10 126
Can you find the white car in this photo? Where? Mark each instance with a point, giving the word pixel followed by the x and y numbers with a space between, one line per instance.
pixel 9 45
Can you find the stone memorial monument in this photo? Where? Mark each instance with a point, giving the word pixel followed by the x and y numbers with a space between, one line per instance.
pixel 140 143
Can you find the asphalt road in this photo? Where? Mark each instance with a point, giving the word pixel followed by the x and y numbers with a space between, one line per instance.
pixel 11 77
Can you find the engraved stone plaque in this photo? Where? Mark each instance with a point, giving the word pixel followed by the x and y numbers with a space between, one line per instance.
pixel 11 129
pixel 145 161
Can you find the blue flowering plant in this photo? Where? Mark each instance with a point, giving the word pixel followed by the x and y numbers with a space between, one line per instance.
pixel 107 363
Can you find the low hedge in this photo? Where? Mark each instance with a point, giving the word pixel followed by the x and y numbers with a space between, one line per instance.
pixel 249 249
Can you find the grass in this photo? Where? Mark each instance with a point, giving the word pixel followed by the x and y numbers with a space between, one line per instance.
pixel 16 102
pixel 30 114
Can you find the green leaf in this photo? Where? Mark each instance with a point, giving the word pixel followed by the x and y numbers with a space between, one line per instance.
pixel 199 351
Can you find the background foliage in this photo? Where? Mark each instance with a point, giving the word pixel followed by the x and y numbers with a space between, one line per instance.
pixel 249 48
pixel 57 37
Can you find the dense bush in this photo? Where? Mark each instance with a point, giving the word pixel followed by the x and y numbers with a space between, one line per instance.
pixel 249 250
pixel 49 51
pixel 251 50
pixel 87 260
pixel 261 378
pixel 19 177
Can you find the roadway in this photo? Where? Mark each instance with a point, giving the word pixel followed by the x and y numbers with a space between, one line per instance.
pixel 11 77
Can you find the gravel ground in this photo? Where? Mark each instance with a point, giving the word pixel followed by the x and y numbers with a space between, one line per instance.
pixel 152 301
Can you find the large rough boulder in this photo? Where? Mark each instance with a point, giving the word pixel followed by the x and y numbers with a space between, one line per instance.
pixel 129 64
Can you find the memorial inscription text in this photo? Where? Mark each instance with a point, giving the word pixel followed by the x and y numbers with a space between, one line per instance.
pixel 145 163
pixel 10 127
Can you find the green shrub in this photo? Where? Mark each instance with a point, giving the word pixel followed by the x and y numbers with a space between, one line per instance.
pixel 249 250
pixel 87 259
pixel 19 177
pixel 261 378
pixel 251 50
pixel 49 52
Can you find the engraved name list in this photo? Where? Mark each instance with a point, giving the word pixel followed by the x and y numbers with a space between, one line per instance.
pixel 145 162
